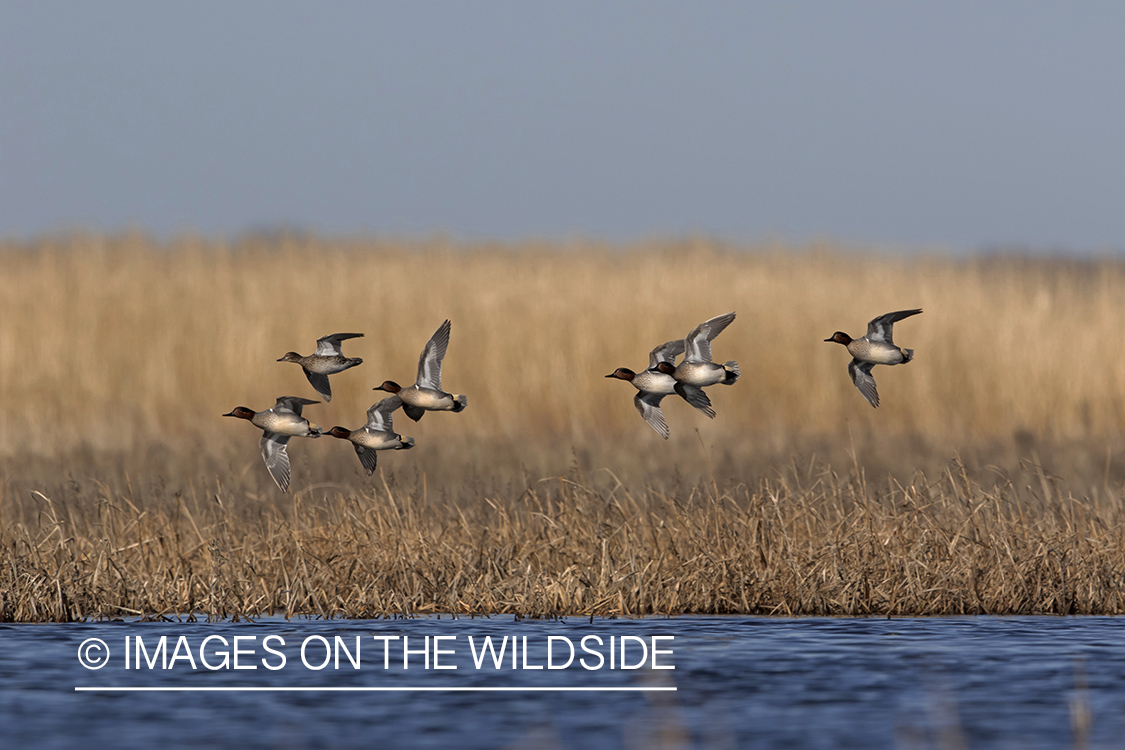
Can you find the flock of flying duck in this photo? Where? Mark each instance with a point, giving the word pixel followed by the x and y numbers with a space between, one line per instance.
pixel 284 420
pixel 663 377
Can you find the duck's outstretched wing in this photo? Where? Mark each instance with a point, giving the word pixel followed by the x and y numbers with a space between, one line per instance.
pixel 367 457
pixel 697 345
pixel 666 352
pixel 429 364
pixel 648 404
pixel 292 403
pixel 695 396
pixel 861 376
pixel 881 329
pixel 379 415
pixel 328 346
pixel 276 456
pixel 320 384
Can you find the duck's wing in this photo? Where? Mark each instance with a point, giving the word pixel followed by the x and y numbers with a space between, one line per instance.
pixel 276 456
pixel 319 382
pixel 648 404
pixel 379 415
pixel 695 396
pixel 666 352
pixel 367 457
pixel 880 329
pixel 429 364
pixel 861 376
pixel 330 345
pixel 294 403
pixel 697 345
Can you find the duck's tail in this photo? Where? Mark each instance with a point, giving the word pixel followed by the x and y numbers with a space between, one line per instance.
pixel 459 403
pixel 907 355
pixel 733 372
pixel 405 443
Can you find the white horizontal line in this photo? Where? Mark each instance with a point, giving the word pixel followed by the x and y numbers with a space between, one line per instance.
pixel 416 689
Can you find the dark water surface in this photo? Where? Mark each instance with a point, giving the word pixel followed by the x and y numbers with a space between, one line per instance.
pixel 1022 682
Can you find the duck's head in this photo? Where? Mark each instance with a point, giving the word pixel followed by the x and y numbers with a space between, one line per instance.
pixel 622 373
pixel 339 432
pixel 840 338
pixel 389 386
pixel 241 412
pixel 666 367
pixel 290 357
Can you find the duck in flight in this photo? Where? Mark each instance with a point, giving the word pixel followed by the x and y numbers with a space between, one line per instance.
pixel 278 424
pixel 328 359
pixel 377 435
pixel 876 348
pixel 697 370
pixel 653 385
pixel 426 393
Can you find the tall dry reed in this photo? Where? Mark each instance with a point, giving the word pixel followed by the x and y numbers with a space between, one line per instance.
pixel 809 543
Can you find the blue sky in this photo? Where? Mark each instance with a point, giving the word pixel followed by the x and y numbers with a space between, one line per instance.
pixel 958 125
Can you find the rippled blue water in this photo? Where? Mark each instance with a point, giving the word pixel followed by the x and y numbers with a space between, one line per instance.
pixel 980 682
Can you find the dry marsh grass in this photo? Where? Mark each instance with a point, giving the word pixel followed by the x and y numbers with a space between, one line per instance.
pixel 808 543
pixel 988 481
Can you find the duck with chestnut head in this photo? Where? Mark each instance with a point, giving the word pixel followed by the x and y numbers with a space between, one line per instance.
pixel 654 384
pixel 697 369
pixel 426 393
pixel 279 423
pixel 377 435
pixel 877 347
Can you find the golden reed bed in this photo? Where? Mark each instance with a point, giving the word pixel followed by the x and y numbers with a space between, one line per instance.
pixel 989 480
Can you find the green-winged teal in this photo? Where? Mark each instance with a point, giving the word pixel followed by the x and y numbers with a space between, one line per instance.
pixel 876 348
pixel 653 385
pixel 327 360
pixel 697 369
pixel 377 435
pixel 426 393
pixel 278 424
